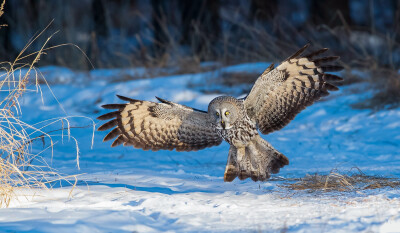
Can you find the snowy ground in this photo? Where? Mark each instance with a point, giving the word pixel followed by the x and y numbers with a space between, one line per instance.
pixel 130 190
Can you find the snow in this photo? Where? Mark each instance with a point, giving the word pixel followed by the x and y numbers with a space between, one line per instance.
pixel 124 189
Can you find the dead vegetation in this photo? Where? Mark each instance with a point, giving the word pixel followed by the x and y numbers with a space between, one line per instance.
pixel 341 182
pixel 19 166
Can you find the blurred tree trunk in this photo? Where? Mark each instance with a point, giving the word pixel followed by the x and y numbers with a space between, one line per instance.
pixel 396 20
pixel 200 25
pixel 99 19
pixel 262 10
pixel 7 50
pixel 100 32
pixel 159 22
pixel 331 12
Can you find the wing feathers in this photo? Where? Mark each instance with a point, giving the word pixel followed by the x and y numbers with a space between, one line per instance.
pixel 156 126
pixel 330 87
pixel 120 140
pixel 319 61
pixel 331 68
pixel 127 99
pixel 112 134
pixel 270 67
pixel 300 51
pixel 113 106
pixel 332 78
pixel 164 101
pixel 108 116
pixel 280 94
pixel 316 53
pixel 108 125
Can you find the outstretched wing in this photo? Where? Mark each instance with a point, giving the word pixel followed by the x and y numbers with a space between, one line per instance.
pixel 155 126
pixel 280 94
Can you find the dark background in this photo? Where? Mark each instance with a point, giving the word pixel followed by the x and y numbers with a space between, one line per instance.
pixel 182 34
pixel 122 33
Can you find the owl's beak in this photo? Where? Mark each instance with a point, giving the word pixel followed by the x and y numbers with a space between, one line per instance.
pixel 223 124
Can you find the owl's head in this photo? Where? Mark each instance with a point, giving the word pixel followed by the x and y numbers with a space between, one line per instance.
pixel 224 111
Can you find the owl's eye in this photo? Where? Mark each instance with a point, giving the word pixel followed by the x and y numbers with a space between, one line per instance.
pixel 227 113
pixel 217 113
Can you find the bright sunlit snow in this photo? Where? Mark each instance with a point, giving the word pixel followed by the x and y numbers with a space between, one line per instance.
pixel 124 189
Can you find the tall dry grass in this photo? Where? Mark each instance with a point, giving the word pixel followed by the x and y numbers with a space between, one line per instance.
pixel 19 167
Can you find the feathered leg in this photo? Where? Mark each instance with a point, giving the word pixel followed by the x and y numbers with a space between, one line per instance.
pixel 257 160
pixel 231 170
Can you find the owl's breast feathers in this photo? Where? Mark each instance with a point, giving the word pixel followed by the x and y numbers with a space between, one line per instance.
pixel 242 132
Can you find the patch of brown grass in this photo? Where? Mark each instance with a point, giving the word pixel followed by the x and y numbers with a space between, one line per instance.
pixel 336 181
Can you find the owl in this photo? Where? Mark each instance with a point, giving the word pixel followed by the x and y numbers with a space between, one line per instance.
pixel 276 97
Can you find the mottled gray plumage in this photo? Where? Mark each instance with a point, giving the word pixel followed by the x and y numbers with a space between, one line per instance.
pixel 156 126
pixel 277 96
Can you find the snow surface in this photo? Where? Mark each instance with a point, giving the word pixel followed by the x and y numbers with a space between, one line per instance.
pixel 124 189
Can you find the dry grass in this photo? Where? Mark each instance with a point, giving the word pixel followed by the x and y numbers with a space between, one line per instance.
pixel 19 167
pixel 338 181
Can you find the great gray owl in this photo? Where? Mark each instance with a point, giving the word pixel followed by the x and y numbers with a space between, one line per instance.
pixel 277 96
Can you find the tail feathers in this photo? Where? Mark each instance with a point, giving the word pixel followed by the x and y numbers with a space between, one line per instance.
pixel 256 161
pixel 278 163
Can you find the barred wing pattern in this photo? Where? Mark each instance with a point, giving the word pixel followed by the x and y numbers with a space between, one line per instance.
pixel 155 126
pixel 280 94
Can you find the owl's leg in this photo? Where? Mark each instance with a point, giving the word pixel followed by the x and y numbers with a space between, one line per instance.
pixel 244 163
pixel 238 165
pixel 258 160
pixel 231 169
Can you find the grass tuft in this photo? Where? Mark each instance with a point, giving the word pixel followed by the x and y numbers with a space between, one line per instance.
pixel 337 181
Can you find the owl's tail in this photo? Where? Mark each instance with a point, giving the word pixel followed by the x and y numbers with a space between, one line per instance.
pixel 257 160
